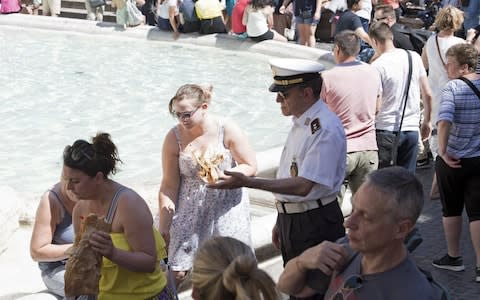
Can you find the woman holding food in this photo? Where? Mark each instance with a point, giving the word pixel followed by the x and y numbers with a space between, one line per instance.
pixel 133 248
pixel 195 152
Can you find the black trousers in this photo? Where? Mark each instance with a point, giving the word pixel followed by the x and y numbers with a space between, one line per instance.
pixel 299 232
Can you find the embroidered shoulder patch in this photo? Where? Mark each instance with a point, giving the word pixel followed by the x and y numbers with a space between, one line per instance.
pixel 315 125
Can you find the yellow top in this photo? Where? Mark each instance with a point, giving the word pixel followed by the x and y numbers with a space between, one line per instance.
pixel 208 9
pixel 119 283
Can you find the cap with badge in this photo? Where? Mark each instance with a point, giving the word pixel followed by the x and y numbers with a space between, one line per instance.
pixel 288 72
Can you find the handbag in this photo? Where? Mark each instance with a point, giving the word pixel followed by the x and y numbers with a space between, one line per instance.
pixel 387 141
pixel 96 3
pixel 135 16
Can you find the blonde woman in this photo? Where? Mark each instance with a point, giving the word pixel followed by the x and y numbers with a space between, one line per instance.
pixel 191 212
pixel 449 19
pixel 225 268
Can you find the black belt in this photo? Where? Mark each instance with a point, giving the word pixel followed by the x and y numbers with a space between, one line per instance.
pixel 388 131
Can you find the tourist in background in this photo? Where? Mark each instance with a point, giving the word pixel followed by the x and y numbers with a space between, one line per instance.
pixel 349 20
pixel 307 17
pixel 167 11
pixel 53 234
pixel 190 212
pixel 210 13
pixel 258 18
pixel 473 38
pixel 458 162
pixel 386 14
pixel 149 10
pixel 133 249
pixel 227 12
pixel 237 16
pixel 471 8
pixel 395 4
pixel 352 90
pixel 94 12
pixel 226 268
pixel 393 66
pixel 449 19
pixel 10 6
pixel 188 17
pixel 365 13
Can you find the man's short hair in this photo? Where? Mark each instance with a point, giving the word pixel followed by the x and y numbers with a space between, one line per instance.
pixel 401 188
pixel 348 42
pixel 387 11
pixel 380 32
pixel 315 85
pixel 465 54
pixel 351 3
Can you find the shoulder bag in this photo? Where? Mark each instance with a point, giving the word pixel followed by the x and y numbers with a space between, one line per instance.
pixel 471 85
pixel 388 141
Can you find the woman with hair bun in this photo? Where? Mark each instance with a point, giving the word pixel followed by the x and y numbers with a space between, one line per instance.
pixel 195 153
pixel 133 248
pixel 225 268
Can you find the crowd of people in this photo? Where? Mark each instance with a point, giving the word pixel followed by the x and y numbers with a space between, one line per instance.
pixel 356 126
pixel 296 19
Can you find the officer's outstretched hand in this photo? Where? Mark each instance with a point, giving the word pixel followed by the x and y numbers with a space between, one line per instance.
pixel 231 180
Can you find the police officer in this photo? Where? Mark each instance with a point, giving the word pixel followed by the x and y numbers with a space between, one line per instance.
pixel 312 165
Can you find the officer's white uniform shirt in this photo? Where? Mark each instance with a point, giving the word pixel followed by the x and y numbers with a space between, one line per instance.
pixel 320 155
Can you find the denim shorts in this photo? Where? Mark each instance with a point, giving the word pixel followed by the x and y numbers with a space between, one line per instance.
pixel 310 20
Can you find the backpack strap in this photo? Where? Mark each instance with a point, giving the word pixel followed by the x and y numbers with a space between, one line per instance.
pixel 113 205
pixel 471 85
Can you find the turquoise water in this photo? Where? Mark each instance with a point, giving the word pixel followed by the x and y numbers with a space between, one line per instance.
pixel 57 87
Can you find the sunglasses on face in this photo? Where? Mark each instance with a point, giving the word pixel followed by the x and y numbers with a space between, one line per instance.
pixel 352 283
pixel 76 154
pixel 284 95
pixel 186 114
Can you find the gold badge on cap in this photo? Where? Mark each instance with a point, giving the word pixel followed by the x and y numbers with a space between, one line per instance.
pixel 294 168
pixel 315 125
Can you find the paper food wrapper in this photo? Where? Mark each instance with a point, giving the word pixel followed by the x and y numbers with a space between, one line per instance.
pixel 209 164
pixel 82 271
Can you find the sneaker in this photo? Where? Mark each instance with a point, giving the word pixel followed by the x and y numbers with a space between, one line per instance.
pixel 477 274
pixel 423 163
pixel 450 263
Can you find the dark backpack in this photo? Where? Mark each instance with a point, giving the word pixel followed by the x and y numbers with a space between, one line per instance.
pixel 418 37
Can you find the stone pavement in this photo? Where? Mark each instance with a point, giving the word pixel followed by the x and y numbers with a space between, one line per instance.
pixel 460 284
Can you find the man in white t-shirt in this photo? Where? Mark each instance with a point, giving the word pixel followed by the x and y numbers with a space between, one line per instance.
pixel 393 67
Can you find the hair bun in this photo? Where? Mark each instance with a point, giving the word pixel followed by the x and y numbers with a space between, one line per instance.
pixel 240 269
